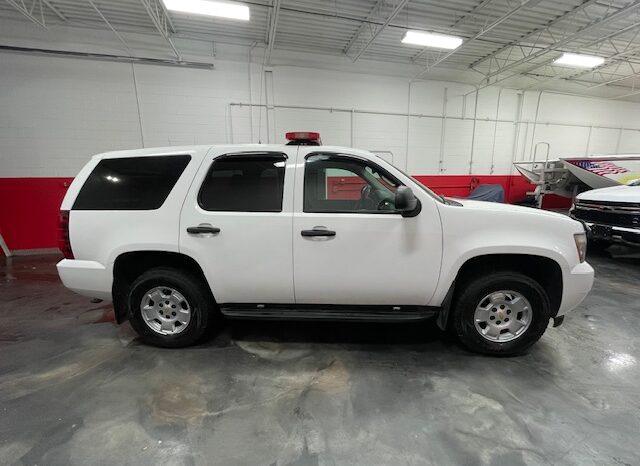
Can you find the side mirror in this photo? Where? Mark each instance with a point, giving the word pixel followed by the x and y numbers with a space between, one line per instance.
pixel 406 202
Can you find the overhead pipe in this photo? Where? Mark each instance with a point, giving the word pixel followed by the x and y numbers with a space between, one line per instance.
pixel 495 132
pixel 406 156
pixel 107 57
pixel 443 130
pixel 517 123
pixel 250 93
pixel 473 131
pixel 535 123
pixel 418 115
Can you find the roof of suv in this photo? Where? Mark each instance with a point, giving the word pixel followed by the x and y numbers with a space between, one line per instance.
pixel 204 149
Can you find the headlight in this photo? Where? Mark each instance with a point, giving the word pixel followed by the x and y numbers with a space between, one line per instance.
pixel 581 245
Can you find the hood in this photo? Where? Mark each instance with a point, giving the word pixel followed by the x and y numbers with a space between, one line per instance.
pixel 508 208
pixel 621 193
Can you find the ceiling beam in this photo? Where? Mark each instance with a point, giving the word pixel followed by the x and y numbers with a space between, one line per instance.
pixel 55 10
pixel 613 59
pixel 535 32
pixel 374 35
pixel 462 19
pixel 28 12
pixel 170 27
pixel 472 13
pixel 120 38
pixel 609 61
pixel 611 81
pixel 629 94
pixel 576 35
pixel 363 25
pixel 162 22
pixel 538 65
pixel 524 5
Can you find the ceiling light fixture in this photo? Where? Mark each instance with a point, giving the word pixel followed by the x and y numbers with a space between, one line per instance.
pixel 578 60
pixel 228 10
pixel 429 39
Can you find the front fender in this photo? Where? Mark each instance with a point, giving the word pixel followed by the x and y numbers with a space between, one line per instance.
pixel 482 229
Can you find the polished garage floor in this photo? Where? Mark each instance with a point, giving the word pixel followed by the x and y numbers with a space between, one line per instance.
pixel 75 389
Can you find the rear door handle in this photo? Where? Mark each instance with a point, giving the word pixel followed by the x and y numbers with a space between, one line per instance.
pixel 318 232
pixel 202 229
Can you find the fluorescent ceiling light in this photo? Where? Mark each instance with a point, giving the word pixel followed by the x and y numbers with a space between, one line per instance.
pixel 204 7
pixel 429 39
pixel 581 61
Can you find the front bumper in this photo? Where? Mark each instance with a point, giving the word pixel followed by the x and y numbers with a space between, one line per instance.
pixel 609 221
pixel 576 287
pixel 613 233
pixel 87 278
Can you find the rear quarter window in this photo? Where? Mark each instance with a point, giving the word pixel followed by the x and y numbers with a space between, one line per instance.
pixel 133 183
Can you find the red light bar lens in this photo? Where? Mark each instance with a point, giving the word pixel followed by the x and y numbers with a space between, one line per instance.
pixel 304 135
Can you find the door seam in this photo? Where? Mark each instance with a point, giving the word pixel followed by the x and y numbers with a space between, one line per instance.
pixel 293 209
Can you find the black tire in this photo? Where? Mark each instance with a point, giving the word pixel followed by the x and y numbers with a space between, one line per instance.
pixel 474 290
pixel 200 301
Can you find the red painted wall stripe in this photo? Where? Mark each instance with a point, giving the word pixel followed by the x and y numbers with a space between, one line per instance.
pixel 29 211
pixel 29 206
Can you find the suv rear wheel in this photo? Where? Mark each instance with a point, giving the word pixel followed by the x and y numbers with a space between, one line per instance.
pixel 170 307
pixel 503 313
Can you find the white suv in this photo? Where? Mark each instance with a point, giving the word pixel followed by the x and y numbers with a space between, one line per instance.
pixel 178 236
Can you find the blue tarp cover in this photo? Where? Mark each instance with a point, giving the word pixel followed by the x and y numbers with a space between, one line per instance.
pixel 488 192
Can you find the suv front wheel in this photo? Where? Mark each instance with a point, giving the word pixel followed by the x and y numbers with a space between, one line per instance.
pixel 503 313
pixel 170 307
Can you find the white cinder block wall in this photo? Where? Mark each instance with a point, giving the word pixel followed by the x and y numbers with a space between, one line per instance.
pixel 56 112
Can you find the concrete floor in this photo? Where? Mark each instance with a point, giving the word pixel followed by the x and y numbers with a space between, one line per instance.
pixel 75 389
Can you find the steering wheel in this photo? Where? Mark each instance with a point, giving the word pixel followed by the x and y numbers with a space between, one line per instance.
pixel 365 194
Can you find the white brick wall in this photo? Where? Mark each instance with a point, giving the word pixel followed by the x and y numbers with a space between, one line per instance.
pixel 56 112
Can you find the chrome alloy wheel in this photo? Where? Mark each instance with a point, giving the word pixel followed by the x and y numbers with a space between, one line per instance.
pixel 165 310
pixel 502 316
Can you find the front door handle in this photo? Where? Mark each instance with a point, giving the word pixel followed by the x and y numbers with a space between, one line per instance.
pixel 318 232
pixel 202 229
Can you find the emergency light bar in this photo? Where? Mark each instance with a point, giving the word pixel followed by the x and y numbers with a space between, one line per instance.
pixel 303 138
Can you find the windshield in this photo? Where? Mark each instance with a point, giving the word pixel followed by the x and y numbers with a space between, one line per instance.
pixel 635 183
pixel 423 187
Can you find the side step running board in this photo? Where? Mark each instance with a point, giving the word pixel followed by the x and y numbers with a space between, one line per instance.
pixel 328 312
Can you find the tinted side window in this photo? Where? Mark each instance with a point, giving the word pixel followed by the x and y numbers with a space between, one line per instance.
pixel 134 183
pixel 342 184
pixel 244 183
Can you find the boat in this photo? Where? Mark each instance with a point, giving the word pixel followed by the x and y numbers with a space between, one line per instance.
pixel 569 176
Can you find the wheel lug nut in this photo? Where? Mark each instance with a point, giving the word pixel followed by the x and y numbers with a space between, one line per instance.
pixel 506 320
pixel 498 322
pixel 492 318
